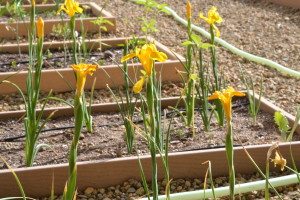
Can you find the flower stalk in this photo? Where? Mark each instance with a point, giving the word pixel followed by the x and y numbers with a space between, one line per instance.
pixel 32 120
pixel 225 98
pixel 190 71
pixel 81 70
pixel 212 18
pixel 147 55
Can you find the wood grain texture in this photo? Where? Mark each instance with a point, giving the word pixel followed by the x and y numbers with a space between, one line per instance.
pixel 57 79
pixel 37 180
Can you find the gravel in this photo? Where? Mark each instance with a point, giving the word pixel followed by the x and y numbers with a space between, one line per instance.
pixel 133 189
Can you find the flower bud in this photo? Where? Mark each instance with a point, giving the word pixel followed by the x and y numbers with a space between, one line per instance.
pixel 40 27
pixel 188 10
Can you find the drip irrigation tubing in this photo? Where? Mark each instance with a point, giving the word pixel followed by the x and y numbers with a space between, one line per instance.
pixel 13 138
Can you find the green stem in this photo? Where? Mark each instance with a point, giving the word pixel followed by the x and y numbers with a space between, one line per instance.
pixel 79 118
pixel 204 94
pixel 151 111
pixel 230 160
pixel 74 38
pixel 190 96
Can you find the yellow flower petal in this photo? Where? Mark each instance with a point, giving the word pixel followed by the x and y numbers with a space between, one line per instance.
pixel 128 56
pixel 70 7
pixel 159 56
pixel 225 97
pixel 138 86
pixel 147 55
pixel 212 18
pixel 82 70
pixel 217 30
pixel 203 17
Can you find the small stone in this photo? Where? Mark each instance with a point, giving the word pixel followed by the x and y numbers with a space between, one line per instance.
pixel 218 181
pixel 102 190
pixel 179 188
pixel 88 191
pixel 260 125
pixel 131 190
pixel 106 198
pixel 140 191
pixel 188 184
pixel 81 137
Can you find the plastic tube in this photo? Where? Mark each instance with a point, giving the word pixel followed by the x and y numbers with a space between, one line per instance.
pixel 233 49
pixel 239 189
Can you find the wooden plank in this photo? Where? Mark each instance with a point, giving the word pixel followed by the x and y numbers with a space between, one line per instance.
pixel 52 79
pixel 37 180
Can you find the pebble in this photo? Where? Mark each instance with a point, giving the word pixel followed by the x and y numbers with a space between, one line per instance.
pixel 131 190
pixel 88 191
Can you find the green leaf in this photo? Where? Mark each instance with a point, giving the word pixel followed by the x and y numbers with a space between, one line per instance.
pixel 206 45
pixel 187 43
pixel 282 122
pixel 197 39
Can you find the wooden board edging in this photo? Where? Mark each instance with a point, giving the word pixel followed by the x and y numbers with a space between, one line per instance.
pixel 167 70
pixel 98 174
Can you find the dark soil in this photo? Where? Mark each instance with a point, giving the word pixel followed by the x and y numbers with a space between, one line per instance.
pixel 56 37
pixel 107 140
pixel 56 59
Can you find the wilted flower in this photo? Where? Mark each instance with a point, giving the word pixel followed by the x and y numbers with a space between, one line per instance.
pixel 279 160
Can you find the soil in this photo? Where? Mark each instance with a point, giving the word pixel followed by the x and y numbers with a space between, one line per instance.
pixel 107 141
pixel 56 59
pixel 54 37
pixel 271 31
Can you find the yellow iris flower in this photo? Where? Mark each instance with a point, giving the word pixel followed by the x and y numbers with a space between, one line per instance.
pixel 33 2
pixel 279 160
pixel 147 55
pixel 82 70
pixel 212 18
pixel 225 97
pixel 40 27
pixel 70 7
pixel 188 10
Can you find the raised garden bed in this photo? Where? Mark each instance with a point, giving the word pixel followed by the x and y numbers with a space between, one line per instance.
pixel 167 70
pixel 10 30
pixel 113 171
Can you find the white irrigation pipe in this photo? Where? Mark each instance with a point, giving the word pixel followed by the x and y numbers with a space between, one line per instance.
pixel 239 189
pixel 233 49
